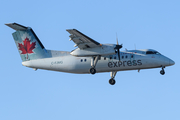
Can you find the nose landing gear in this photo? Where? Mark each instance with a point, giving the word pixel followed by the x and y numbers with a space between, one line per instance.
pixel 162 72
pixel 112 81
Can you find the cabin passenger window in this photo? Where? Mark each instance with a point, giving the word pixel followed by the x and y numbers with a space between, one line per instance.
pixel 114 57
pixel 110 57
pixel 126 56
pixel 132 56
pixel 84 60
pixel 122 57
pixel 104 58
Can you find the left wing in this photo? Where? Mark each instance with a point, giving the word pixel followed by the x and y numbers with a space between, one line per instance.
pixel 81 40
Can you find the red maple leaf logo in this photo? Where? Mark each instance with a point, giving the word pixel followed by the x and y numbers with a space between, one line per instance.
pixel 27 47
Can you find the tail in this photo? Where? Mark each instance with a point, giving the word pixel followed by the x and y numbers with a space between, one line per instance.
pixel 28 44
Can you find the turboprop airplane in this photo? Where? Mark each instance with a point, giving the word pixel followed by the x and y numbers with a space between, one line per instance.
pixel 90 56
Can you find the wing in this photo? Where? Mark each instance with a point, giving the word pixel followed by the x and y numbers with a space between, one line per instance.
pixel 81 40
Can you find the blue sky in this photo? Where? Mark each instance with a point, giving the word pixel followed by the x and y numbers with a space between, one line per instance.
pixel 26 94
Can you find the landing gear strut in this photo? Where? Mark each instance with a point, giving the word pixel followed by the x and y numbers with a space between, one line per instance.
pixel 162 72
pixel 94 61
pixel 112 81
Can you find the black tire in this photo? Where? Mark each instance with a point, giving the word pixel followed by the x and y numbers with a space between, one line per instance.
pixel 112 81
pixel 92 71
pixel 162 72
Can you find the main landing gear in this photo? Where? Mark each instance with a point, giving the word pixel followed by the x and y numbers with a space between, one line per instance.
pixel 92 70
pixel 162 72
pixel 94 61
pixel 112 81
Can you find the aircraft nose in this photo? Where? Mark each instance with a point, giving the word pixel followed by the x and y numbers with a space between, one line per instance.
pixel 171 62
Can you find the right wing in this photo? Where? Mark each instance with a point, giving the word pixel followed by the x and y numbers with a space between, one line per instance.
pixel 81 40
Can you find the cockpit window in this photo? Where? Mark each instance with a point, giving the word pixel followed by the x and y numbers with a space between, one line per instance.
pixel 153 52
pixel 157 53
pixel 149 52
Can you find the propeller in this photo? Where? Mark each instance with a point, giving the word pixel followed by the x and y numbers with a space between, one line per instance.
pixel 118 47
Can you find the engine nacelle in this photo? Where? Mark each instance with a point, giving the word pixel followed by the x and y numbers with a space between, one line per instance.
pixel 105 49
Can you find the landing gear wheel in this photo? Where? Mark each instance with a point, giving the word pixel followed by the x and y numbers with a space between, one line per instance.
pixel 162 72
pixel 92 71
pixel 112 81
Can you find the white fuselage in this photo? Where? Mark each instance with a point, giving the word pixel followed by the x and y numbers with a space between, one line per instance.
pixel 130 60
pixel 90 56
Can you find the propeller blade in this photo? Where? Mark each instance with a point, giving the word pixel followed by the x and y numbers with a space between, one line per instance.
pixel 119 55
pixel 118 47
pixel 117 39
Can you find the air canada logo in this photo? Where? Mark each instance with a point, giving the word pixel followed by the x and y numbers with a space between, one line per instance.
pixel 26 47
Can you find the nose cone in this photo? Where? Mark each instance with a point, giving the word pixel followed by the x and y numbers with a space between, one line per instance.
pixel 171 62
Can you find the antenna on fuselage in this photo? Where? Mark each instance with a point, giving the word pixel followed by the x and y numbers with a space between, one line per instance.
pixel 135 46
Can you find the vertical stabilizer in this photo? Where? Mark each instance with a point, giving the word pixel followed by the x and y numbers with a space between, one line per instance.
pixel 28 44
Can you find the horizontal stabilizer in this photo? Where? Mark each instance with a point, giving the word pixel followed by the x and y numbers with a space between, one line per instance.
pixel 16 26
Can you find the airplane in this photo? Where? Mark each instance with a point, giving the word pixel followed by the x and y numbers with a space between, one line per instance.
pixel 89 57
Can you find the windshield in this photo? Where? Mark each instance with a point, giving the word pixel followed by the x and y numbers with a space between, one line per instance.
pixel 153 52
